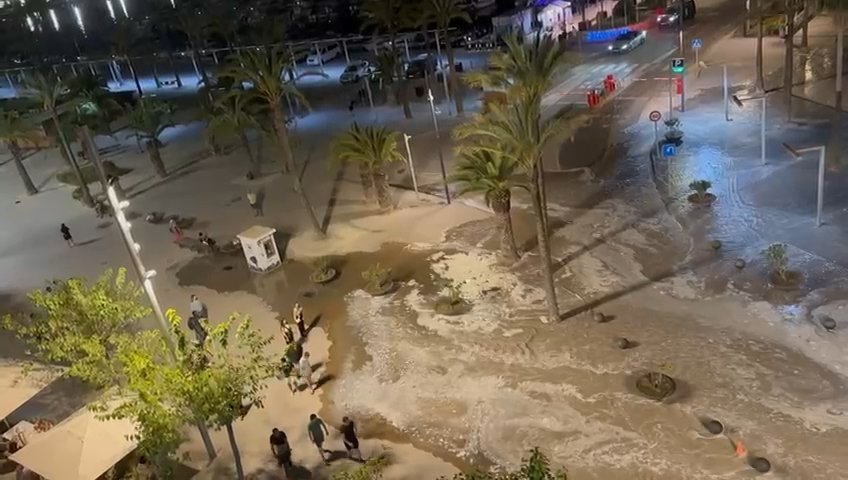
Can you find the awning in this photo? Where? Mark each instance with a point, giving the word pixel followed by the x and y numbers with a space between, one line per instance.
pixel 80 448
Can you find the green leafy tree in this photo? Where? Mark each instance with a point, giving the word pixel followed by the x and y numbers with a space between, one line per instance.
pixel 231 116
pixel 443 13
pixel 220 379
pixel 14 130
pixel 265 71
pixel 50 92
pixel 493 175
pixel 534 467
pixel 525 71
pixel 371 149
pixel 81 325
pixel 390 17
pixel 149 118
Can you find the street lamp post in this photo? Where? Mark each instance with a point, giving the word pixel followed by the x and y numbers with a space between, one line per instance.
pixel 797 153
pixel 724 90
pixel 406 139
pixel 741 103
pixel 146 278
pixel 439 145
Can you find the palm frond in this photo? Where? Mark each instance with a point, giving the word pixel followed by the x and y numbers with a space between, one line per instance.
pixel 370 147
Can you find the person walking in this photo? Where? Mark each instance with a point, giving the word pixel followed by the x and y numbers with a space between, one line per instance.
pixel 66 234
pixel 195 324
pixel 288 334
pixel 196 307
pixel 280 448
pixel 175 229
pixel 317 431
pixel 297 313
pixel 305 369
pixel 288 372
pixel 350 439
pixel 253 200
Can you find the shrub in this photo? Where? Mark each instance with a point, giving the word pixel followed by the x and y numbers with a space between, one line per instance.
pixel 376 276
pixel 776 255
pixel 700 187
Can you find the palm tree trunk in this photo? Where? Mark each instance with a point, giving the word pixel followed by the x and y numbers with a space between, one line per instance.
pixel 454 84
pixel 384 194
pixel 282 137
pixel 254 164
pixel 367 183
pixel 834 148
pixel 544 250
pixel 788 64
pixel 66 147
pixel 174 69
pixel 134 74
pixel 196 54
pixel 543 197
pixel 502 207
pixel 93 155
pixel 761 82
pixel 15 150
pixel 236 454
pixel 155 157
pixel 402 84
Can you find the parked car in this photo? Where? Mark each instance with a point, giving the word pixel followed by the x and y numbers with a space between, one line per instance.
pixel 356 71
pixel 421 66
pixel 671 16
pixel 627 41
pixel 323 55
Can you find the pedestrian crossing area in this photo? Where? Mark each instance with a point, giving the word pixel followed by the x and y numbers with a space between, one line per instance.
pixel 582 77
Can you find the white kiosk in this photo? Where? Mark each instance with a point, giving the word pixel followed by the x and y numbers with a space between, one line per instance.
pixel 260 249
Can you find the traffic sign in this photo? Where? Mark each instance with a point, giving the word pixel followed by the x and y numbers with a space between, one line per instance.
pixel 669 150
pixel 655 116
pixel 678 65
pixel 697 43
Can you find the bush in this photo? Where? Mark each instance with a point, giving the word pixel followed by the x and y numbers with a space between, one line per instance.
pixel 776 255
pixel 376 277
pixel 700 187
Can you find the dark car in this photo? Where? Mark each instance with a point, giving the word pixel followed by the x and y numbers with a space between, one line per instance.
pixel 671 15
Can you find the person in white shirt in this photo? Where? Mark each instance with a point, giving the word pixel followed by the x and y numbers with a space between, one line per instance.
pixel 305 369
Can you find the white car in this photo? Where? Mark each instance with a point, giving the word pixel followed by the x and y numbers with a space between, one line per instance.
pixel 356 71
pixel 323 55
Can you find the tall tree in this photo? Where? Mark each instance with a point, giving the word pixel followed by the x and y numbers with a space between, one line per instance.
pixel 525 71
pixel 265 70
pixel 443 13
pixel 49 91
pixel 224 376
pixel 149 118
pixel 232 117
pixel 15 129
pixel 371 149
pixel 390 17
pixel 494 176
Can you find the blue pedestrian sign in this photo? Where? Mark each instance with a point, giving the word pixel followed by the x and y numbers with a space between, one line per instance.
pixel 697 43
pixel 669 150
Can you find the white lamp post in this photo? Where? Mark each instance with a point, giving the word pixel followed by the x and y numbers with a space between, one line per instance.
pixel 439 145
pixel 797 153
pixel 741 103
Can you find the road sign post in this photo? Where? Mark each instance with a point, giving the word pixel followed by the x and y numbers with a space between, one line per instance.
pixel 696 46
pixel 655 117
pixel 669 150
pixel 678 67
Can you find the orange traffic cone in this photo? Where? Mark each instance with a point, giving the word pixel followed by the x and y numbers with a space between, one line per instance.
pixel 741 451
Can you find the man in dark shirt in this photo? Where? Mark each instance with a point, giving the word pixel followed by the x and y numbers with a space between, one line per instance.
pixel 280 447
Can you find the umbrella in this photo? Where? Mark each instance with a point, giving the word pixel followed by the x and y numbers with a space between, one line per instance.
pixel 82 447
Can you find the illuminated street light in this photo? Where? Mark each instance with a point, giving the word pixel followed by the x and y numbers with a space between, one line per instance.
pixel 111 9
pixel 30 23
pixel 124 8
pixel 53 18
pixel 78 14
pixel 797 154
pixel 740 103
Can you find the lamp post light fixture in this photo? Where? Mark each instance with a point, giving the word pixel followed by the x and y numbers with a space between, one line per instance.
pixel 741 103
pixel 797 154
pixel 439 145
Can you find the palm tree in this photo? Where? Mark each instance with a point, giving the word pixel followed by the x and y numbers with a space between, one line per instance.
pixel 390 16
pixel 149 118
pixel 49 91
pixel 838 7
pixel 526 71
pixel 231 117
pixel 443 12
pixel 371 149
pixel 265 71
pixel 493 175
pixel 13 130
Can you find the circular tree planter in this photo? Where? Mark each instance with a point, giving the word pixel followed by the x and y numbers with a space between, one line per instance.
pixel 704 200
pixel 713 426
pixel 382 289
pixel 655 385
pixel 450 306
pixel 323 276
pixel 760 464
pixel 789 281
pixel 740 263
pixel 828 323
